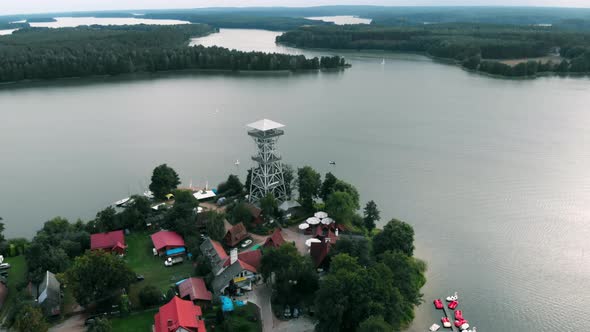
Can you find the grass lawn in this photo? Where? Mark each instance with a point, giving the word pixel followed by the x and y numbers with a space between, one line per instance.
pixel 239 320
pixel 135 322
pixel 16 275
pixel 142 261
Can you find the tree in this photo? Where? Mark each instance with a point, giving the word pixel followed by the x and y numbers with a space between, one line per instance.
pixel 2 239
pixel 150 295
pixel 231 187
pixel 295 280
pixel 308 182
pixel 106 220
pixel 354 247
pixel 371 215
pixel 396 236
pixel 348 188
pixel 97 276
pixel 30 319
pixel 215 225
pixel 270 207
pixel 289 177
pixel 340 206
pixel 164 181
pixel 375 324
pixel 181 217
pixel 328 186
pixel 240 213
pixel 100 325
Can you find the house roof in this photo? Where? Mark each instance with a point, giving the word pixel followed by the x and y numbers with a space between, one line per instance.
pixel 215 252
pixel 108 240
pixel 287 205
pixel 235 234
pixel 177 314
pixel 275 240
pixel 49 294
pixel 319 252
pixel 195 288
pixel 248 260
pixel 332 236
pixel 163 239
pixel 254 211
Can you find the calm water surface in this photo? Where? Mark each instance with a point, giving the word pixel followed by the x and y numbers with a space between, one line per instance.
pixel 63 22
pixel 342 20
pixel 493 174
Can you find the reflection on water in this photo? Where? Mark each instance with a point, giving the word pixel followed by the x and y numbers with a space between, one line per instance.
pixel 342 20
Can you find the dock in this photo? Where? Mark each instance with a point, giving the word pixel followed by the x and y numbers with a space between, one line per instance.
pixel 451 318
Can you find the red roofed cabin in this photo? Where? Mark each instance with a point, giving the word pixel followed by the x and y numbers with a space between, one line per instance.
pixel 235 235
pixel 194 289
pixel 179 316
pixel 166 240
pixel 112 242
pixel 256 214
pixel 275 240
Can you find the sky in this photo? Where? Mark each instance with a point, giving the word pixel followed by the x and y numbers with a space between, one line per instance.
pixel 8 7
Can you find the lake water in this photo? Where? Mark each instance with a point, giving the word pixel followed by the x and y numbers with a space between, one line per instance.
pixel 63 22
pixel 7 31
pixel 492 173
pixel 342 20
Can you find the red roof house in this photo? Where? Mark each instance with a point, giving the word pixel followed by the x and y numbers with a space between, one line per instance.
pixel 249 260
pixel 235 235
pixel 111 241
pixel 195 290
pixel 166 240
pixel 179 315
pixel 319 253
pixel 275 240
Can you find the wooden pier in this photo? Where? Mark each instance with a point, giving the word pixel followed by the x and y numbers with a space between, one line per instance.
pixel 451 317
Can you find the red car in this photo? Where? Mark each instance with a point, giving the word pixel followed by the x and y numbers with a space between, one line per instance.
pixel 458 315
pixel 460 322
pixel 453 305
pixel 446 322
pixel 438 304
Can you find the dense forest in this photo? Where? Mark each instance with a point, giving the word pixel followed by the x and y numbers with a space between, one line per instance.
pixel 474 46
pixel 41 53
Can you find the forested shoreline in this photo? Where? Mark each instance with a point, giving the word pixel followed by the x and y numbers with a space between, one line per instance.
pixel 42 53
pixel 473 46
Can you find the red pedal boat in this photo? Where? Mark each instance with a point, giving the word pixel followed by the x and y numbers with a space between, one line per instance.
pixel 461 322
pixel 438 304
pixel 453 305
pixel 458 315
pixel 446 322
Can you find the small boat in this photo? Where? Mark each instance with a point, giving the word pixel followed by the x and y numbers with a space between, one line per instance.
pixel 462 322
pixel 453 297
pixel 121 202
pixel 446 322
pixel 453 305
pixel 438 304
pixel 237 163
pixel 458 315
pixel 332 162
pixel 434 327
pixel 149 194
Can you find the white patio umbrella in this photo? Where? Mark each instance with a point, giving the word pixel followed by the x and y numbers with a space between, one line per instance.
pixel 327 221
pixel 303 226
pixel 320 214
pixel 312 221
pixel 308 242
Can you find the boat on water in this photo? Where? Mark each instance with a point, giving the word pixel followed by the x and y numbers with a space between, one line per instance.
pixel 446 322
pixel 434 327
pixel 122 202
pixel 458 315
pixel 438 304
pixel 463 324
pixel 332 162
pixel 453 305
pixel 452 298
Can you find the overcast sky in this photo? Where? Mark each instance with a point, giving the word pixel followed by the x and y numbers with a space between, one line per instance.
pixel 40 6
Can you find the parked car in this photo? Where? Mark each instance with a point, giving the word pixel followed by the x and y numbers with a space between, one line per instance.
pixel 173 260
pixel 246 243
pixel 287 313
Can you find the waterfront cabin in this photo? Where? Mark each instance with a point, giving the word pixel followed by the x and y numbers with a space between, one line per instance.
pixel 111 241
pixel 194 289
pixel 168 241
pixel 235 235
pixel 179 316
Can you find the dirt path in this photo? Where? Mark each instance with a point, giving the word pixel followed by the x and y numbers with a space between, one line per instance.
pixel 72 324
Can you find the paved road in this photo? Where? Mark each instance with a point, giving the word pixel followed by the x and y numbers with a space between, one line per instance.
pixel 261 297
pixel 72 324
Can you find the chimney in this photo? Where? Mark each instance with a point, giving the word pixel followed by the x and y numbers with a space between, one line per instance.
pixel 233 256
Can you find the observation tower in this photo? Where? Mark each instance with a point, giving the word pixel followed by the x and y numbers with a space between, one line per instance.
pixel 267 175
